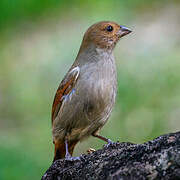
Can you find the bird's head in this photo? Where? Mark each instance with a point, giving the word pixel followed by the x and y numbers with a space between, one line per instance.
pixel 104 35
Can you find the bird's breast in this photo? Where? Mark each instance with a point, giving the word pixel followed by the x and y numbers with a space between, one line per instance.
pixel 97 86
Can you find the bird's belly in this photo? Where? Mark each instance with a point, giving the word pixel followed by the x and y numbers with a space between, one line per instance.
pixel 97 91
pixel 95 102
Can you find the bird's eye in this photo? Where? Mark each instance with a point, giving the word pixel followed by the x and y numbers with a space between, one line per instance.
pixel 109 28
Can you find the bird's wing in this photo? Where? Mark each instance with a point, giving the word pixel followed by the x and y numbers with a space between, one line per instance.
pixel 64 90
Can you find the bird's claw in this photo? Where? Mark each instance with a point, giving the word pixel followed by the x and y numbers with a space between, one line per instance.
pixel 68 157
pixel 109 143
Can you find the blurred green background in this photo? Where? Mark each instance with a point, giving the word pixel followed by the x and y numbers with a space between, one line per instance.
pixel 39 39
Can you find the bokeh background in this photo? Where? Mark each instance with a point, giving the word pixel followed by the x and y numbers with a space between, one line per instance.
pixel 39 39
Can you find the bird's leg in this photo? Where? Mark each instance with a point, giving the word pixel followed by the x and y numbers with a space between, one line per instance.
pixel 68 155
pixel 109 142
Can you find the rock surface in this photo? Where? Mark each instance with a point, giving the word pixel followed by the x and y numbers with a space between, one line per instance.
pixel 157 159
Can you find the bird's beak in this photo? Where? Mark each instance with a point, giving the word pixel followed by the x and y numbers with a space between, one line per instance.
pixel 124 31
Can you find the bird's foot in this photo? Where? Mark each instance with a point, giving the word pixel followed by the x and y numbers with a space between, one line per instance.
pixel 109 143
pixel 90 150
pixel 68 157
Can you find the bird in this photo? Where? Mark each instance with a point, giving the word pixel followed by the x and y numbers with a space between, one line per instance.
pixel 85 97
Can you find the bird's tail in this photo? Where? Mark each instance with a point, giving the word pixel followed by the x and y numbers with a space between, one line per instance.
pixel 60 149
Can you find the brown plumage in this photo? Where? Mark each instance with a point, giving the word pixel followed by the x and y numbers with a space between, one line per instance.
pixel 86 95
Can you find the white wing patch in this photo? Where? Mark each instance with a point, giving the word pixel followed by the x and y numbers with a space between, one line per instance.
pixel 75 72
